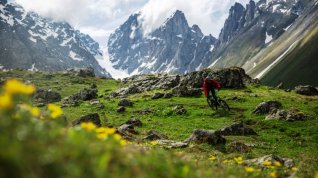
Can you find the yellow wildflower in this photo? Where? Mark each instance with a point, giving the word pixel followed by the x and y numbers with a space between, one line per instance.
pixel 249 169
pixel 267 163
pixel 35 111
pixel 55 110
pixel 316 175
pixel 212 157
pixel 277 164
pixel 273 175
pixel 117 137
pixel 225 161
pixel 14 86
pixel 6 102
pixel 123 142
pixel 89 126
pixel 239 160
pixel 294 169
pixel 101 136
pixel 153 143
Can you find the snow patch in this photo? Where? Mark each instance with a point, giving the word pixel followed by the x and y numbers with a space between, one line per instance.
pixel 260 75
pixel 268 38
pixel 211 48
pixel 73 55
pixel 33 68
pixel 180 35
pixel 288 27
pixel 32 39
pixel 133 32
pixel 214 62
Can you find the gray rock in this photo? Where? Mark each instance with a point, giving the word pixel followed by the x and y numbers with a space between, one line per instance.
pixel 144 111
pixel 183 91
pixel 93 86
pixel 288 163
pixel 168 95
pixel 236 129
pixel 127 129
pixel 154 135
pixel 121 109
pixel 172 144
pixel 290 115
pixel 94 118
pixel 267 107
pixel 125 103
pixel 157 96
pixel 206 136
pixel 47 96
pixel 134 122
pixel 240 147
pixel 179 109
pixel 306 90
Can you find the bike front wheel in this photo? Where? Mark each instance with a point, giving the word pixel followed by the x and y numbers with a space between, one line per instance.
pixel 224 105
pixel 211 104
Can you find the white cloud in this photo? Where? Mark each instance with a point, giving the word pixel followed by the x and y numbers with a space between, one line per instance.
pixel 98 17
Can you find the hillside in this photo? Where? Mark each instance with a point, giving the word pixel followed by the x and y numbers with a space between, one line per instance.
pixel 52 148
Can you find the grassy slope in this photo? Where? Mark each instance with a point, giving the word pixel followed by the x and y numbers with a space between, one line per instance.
pixel 296 140
pixel 302 64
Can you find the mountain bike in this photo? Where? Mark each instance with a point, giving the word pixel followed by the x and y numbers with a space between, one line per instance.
pixel 219 103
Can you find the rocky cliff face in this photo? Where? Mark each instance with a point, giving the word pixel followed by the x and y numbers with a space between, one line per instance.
pixel 173 48
pixel 29 41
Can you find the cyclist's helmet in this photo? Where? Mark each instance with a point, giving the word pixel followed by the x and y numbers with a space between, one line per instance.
pixel 208 78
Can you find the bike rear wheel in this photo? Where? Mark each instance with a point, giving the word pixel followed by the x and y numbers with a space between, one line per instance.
pixel 224 105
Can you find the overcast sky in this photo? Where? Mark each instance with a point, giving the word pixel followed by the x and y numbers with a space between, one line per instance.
pixel 99 18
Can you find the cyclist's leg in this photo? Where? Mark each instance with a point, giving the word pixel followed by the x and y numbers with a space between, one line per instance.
pixel 214 95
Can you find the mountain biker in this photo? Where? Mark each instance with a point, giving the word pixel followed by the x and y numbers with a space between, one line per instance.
pixel 210 85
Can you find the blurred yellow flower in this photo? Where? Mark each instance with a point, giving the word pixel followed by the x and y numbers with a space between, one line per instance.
pixel 14 86
pixel 89 126
pixel 6 102
pixel 295 169
pixel 212 157
pixel 249 169
pixel 117 137
pixel 277 164
pixel 55 110
pixel 225 161
pixel 35 111
pixel 102 136
pixel 123 142
pixel 273 175
pixel 316 175
pixel 154 143
pixel 267 163
pixel 239 160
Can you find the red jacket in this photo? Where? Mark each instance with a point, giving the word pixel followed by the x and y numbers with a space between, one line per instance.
pixel 210 84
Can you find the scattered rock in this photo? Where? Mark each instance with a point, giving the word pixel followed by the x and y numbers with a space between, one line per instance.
pixel 127 130
pixel 266 107
pixel 280 85
pixel 306 90
pixel 240 147
pixel 121 109
pixel 288 163
pixel 287 90
pixel 97 104
pixel 157 96
pixel 291 115
pixel 85 95
pixel 144 111
pixel 172 144
pixel 235 98
pixel 134 122
pixel 88 118
pixel 236 129
pixel 183 91
pixel 125 103
pixel 168 95
pixel 93 86
pixel 47 96
pixel 206 136
pixel 154 135
pixel 179 109
pixel 81 72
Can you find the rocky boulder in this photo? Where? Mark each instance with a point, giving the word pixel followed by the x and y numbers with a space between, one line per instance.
pixel 81 72
pixel 125 103
pixel 290 115
pixel 179 110
pixel 127 130
pixel 134 122
pixel 94 118
pixel 172 144
pixel 240 147
pixel 306 90
pixel 269 160
pixel 236 129
pixel 157 96
pixel 47 96
pixel 154 135
pixel 206 136
pixel 183 91
pixel 266 107
pixel 121 109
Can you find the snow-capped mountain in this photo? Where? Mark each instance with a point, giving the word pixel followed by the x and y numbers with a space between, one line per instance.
pixel 174 47
pixel 30 41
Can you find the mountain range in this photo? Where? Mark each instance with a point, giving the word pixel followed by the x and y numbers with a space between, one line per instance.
pixel 257 37
pixel 29 41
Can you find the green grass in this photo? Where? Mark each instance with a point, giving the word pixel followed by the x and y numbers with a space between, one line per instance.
pixel 295 140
